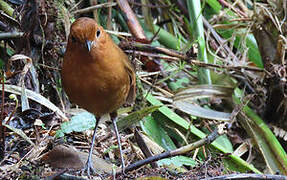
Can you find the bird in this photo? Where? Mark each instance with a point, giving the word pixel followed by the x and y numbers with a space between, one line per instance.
pixel 97 75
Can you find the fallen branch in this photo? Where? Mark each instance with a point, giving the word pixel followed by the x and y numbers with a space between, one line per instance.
pixel 11 35
pixel 249 176
pixel 207 140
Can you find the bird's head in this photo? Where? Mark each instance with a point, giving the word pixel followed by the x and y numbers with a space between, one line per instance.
pixel 86 33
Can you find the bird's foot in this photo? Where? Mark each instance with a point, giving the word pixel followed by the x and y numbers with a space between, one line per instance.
pixel 123 171
pixel 89 168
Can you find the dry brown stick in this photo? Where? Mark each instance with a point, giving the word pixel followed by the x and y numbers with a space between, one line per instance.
pixel 57 174
pixel 109 20
pixel 157 56
pixel 234 68
pixel 199 63
pixel 11 35
pixel 207 140
pixel 219 40
pixel 238 11
pixel 68 176
pixel 144 49
pixel 95 11
pixel 133 24
pixel 149 48
pixel 173 55
pixel 249 176
pixel 141 143
pixel 163 91
pixel 149 5
pixel 240 20
pixel 215 46
pixel 2 129
pixel 92 8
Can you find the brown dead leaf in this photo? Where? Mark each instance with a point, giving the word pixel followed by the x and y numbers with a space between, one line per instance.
pixel 68 157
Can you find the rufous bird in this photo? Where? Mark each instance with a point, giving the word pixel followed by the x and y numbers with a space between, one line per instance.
pixel 97 75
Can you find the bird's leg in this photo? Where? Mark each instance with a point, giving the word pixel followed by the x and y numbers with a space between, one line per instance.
pixel 114 119
pixel 89 164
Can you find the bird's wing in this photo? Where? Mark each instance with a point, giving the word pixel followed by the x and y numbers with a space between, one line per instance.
pixel 132 91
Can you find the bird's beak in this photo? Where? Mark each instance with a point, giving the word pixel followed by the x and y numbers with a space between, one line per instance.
pixel 89 45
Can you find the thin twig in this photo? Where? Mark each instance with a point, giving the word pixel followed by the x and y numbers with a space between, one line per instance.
pixel 92 8
pixel 131 20
pixel 230 68
pixel 149 5
pixel 143 49
pixel 11 35
pixel 154 55
pixel 249 176
pixel 219 40
pixel 149 48
pixel 238 11
pixel 2 128
pixel 168 94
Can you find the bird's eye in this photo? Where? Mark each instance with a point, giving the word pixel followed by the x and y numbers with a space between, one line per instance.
pixel 98 33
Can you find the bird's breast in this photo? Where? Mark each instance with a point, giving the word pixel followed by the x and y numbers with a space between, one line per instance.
pixel 98 86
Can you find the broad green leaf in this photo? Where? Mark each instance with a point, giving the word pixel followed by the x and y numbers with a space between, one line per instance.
pixel 179 83
pixel 78 123
pixel 153 129
pixel 215 5
pixel 178 161
pixel 198 111
pixel 225 142
pixel 185 100
pixel 195 15
pixel 135 117
pixel 167 39
pixel 272 151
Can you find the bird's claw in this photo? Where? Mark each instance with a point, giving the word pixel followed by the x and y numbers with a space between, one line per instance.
pixel 89 168
pixel 123 171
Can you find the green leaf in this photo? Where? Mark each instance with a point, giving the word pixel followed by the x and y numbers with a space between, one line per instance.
pixel 1 64
pixel 135 117
pixel 59 133
pixel 178 83
pixel 271 149
pixel 80 122
pixel 198 111
pixel 195 16
pixel 225 142
pixel 215 5
pixel 178 161
pixel 184 100
pixel 167 39
pixel 154 130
